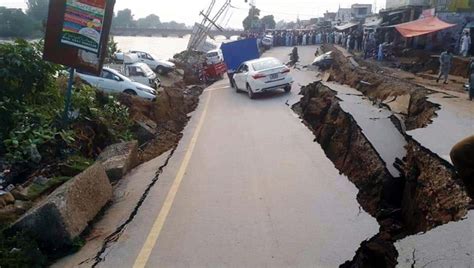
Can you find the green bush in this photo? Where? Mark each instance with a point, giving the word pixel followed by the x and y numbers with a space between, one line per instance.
pixel 95 106
pixel 31 107
pixel 20 250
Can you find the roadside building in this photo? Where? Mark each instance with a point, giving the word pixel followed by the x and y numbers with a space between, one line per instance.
pixel 459 12
pixel 343 16
pixel 361 11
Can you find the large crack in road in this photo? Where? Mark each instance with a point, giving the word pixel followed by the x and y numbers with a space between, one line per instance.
pixel 115 236
pixel 424 196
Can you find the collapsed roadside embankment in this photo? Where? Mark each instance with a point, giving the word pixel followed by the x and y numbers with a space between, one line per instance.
pixel 425 196
pixel 165 118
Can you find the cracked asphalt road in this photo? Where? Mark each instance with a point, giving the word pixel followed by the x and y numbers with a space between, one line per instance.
pixel 246 187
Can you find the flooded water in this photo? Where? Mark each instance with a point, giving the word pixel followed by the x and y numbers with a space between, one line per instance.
pixel 162 47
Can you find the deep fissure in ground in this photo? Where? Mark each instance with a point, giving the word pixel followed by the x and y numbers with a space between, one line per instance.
pixel 425 196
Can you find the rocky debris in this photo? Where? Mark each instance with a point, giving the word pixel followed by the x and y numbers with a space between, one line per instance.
pixel 144 130
pixel 190 62
pixel 399 104
pixel 18 193
pixel 169 113
pixel 12 212
pixel 118 159
pixel 57 221
pixel 382 88
pixel 6 198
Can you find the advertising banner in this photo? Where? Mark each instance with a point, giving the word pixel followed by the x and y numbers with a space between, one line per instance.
pixel 77 32
pixel 83 21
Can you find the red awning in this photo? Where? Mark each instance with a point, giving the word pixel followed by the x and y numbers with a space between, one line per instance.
pixel 422 26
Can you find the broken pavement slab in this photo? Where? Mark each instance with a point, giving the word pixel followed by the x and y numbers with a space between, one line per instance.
pixel 57 221
pixel 118 159
pixel 450 245
pixel 399 104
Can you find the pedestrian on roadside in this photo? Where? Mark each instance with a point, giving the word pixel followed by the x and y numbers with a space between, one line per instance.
pixel 445 63
pixel 380 52
pixel 294 57
pixel 471 80
pixel 465 44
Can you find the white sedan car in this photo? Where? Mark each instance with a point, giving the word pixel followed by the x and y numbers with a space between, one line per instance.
pixel 262 75
pixel 111 81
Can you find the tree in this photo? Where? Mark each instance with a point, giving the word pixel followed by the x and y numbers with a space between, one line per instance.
pixel 269 22
pixel 252 21
pixel 124 19
pixel 280 25
pixel 150 21
pixel 15 23
pixel 173 25
pixel 38 9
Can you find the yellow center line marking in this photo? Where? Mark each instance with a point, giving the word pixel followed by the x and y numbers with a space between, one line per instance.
pixel 155 231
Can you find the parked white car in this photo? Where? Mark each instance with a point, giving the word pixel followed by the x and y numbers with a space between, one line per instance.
pixel 138 72
pixel 261 75
pixel 267 41
pixel 111 81
pixel 156 64
pixel 159 66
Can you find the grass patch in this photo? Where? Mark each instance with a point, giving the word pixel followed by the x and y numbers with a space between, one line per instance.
pixel 36 190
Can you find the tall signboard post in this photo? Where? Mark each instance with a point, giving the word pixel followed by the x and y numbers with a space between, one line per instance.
pixel 77 33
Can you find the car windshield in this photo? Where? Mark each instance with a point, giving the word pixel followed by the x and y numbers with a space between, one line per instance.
pixel 118 74
pixel 267 64
pixel 146 70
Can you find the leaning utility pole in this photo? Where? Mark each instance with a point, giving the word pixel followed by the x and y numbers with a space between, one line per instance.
pixel 201 31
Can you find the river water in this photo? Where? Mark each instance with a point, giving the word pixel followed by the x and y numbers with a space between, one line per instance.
pixel 162 47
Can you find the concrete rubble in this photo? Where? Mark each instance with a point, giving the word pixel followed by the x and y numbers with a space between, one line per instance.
pixel 118 159
pixel 58 220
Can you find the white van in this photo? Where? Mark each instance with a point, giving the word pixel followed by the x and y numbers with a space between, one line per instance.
pixel 214 57
pixel 137 71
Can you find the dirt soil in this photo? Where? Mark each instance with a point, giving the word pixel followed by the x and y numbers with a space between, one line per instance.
pixel 170 114
pixel 420 61
pixel 342 141
pixel 372 82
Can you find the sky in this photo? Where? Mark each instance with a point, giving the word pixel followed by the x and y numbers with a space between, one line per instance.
pixel 187 11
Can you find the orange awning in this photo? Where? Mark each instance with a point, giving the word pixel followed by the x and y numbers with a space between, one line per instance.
pixel 422 26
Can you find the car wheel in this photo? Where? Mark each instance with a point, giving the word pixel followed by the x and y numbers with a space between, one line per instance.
pixel 250 92
pixel 130 92
pixel 287 89
pixel 161 70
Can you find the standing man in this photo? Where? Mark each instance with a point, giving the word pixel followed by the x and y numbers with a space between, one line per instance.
pixel 380 52
pixel 465 44
pixel 445 62
pixel 471 80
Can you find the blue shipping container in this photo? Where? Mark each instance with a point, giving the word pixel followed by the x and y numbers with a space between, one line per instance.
pixel 237 52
